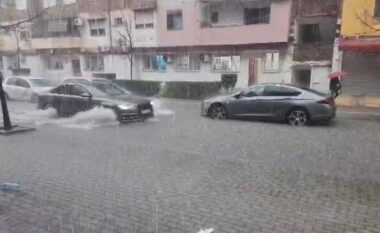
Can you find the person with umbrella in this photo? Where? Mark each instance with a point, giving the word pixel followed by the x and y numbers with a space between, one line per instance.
pixel 335 84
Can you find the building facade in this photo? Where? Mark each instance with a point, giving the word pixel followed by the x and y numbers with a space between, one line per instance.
pixel 359 49
pixel 259 41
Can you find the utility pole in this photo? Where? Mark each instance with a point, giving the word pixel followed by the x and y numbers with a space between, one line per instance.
pixel 110 24
pixel 4 107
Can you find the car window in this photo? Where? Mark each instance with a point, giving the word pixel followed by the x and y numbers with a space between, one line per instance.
pixel 274 90
pixel 22 83
pixel 254 91
pixel 109 88
pixel 77 90
pixel 40 82
pixel 12 81
pixel 61 90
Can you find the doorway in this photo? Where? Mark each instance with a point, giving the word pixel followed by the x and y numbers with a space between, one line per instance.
pixel 302 77
pixel 76 67
pixel 252 72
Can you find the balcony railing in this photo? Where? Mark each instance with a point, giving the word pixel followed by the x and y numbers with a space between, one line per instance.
pixel 313 52
pixel 307 8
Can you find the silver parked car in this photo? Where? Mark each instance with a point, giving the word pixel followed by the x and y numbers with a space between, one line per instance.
pixel 277 102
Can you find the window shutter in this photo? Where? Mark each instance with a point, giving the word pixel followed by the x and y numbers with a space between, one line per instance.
pixel 268 61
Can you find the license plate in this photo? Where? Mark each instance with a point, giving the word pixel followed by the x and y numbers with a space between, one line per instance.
pixel 146 111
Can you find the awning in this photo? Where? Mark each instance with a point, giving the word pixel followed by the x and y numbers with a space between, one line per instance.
pixel 359 45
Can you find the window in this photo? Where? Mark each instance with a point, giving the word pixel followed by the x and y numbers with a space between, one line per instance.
pixel 50 3
pixel 188 62
pixel 94 62
pixel 12 81
pixel 155 62
pixel 273 90
pixel 22 83
pixel 256 15
pixel 214 17
pixel 97 27
pixel 377 8
pixel 310 33
pixel 272 62
pixel 77 90
pixel 20 4
pixel 226 63
pixel 61 90
pixel 174 20
pixel 144 19
pixel 54 63
pixel 254 91
pixel 118 21
pixel 1 63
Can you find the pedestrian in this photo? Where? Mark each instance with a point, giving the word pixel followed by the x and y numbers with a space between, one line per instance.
pixel 335 87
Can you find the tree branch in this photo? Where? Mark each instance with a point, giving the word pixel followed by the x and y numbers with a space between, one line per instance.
pixel 14 25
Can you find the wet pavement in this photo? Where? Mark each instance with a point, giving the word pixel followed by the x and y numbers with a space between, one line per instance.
pixel 181 173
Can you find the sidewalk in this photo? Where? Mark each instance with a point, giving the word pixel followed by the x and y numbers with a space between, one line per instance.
pixel 359 113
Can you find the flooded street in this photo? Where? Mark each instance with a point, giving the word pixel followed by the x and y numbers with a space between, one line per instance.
pixel 180 172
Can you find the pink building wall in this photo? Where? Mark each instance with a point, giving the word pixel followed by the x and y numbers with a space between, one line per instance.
pixel 193 35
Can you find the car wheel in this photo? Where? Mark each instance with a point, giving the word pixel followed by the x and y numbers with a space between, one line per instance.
pixel 298 117
pixel 218 112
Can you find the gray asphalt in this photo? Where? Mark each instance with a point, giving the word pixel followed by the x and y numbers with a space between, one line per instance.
pixel 181 172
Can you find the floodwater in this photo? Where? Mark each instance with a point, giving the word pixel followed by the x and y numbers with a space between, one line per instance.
pixel 95 118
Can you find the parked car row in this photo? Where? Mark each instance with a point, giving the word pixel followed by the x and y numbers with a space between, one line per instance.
pixel 276 102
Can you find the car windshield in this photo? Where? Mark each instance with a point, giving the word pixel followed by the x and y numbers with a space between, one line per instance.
pixel 190 116
pixel 110 88
pixel 39 82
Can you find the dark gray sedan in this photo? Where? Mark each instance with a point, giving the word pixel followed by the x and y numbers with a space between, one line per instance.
pixel 277 102
pixel 69 99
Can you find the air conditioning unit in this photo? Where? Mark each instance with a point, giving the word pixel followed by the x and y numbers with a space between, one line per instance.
pixel 78 22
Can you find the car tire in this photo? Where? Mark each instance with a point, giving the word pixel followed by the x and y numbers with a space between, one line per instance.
pixel 297 117
pixel 218 112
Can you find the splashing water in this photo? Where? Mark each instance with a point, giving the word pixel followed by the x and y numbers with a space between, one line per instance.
pixel 160 109
pixel 97 117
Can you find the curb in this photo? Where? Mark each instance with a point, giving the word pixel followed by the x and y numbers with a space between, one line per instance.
pixel 357 101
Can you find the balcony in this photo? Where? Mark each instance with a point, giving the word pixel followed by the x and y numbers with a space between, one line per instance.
pixel 313 52
pixel 56 43
pixel 310 8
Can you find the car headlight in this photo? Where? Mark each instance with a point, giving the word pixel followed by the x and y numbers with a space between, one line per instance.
pixel 127 107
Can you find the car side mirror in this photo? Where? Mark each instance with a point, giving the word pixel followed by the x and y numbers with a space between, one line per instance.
pixel 86 95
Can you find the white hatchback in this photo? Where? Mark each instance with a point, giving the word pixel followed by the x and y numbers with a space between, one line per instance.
pixel 25 88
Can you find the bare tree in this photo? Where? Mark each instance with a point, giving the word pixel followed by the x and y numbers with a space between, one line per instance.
pixel 126 42
pixel 16 26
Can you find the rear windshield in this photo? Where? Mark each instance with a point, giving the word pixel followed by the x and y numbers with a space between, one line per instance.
pixel 314 91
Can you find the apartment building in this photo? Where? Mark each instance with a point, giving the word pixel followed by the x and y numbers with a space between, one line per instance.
pixel 359 49
pixel 314 31
pixel 172 40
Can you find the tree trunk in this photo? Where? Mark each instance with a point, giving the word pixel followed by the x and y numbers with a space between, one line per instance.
pixel 131 66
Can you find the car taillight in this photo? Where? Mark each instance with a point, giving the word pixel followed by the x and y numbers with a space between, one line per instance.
pixel 329 101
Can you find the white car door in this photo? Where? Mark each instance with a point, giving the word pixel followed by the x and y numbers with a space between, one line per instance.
pixel 24 89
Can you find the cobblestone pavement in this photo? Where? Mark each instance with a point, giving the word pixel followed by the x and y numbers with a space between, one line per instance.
pixel 181 173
